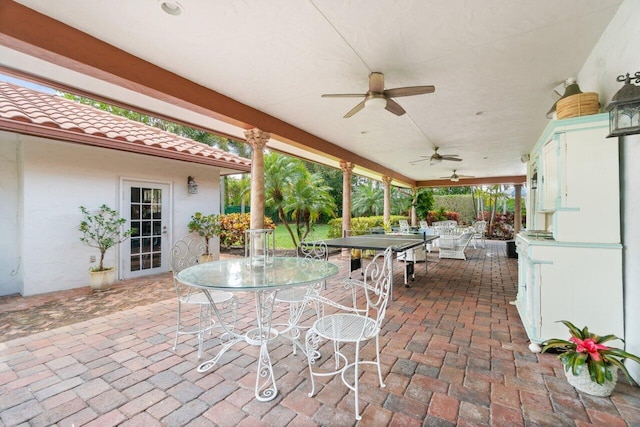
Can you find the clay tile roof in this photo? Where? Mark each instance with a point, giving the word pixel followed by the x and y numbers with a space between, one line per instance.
pixel 31 112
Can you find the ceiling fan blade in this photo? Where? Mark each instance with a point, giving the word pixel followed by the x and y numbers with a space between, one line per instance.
pixel 354 110
pixel 452 158
pixel 408 91
pixel 376 82
pixel 394 107
pixel 343 95
pixel 419 160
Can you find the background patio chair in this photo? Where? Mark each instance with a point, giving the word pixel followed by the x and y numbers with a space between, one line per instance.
pixel 455 247
pixel 351 325
pixel 295 297
pixel 186 253
pixel 479 230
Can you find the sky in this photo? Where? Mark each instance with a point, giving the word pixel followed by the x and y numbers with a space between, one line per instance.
pixel 29 85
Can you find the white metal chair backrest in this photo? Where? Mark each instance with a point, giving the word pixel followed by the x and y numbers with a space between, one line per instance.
pixel 404 225
pixel 480 226
pixel 185 253
pixel 313 250
pixel 377 289
pixel 424 225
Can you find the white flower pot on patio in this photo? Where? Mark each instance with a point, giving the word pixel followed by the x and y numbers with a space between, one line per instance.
pixel 582 382
pixel 102 280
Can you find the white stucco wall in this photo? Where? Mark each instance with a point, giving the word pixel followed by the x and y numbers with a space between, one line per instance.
pixel 617 53
pixel 10 174
pixel 58 177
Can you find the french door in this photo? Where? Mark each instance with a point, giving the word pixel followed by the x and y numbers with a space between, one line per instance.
pixel 146 208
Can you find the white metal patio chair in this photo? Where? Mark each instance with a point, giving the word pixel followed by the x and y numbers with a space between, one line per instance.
pixel 295 297
pixel 454 247
pixel 351 325
pixel 186 253
pixel 479 230
pixel 428 231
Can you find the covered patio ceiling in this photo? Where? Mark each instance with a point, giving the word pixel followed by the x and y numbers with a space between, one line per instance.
pixel 227 66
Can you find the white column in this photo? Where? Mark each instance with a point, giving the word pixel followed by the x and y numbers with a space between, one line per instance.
pixel 258 140
pixel 386 218
pixel 346 168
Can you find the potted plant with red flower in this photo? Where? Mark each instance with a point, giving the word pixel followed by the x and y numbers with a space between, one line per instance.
pixel 602 362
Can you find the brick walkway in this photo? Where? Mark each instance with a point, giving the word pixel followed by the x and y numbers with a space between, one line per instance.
pixel 454 353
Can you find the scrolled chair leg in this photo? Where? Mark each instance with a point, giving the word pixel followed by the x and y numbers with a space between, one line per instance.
pixel 312 343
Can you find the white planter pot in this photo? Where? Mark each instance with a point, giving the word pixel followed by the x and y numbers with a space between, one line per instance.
pixel 102 280
pixel 583 383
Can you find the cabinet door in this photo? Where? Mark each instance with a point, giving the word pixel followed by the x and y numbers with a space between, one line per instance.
pixel 550 175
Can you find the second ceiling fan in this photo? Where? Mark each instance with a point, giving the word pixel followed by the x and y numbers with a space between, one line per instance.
pixel 438 158
pixel 378 94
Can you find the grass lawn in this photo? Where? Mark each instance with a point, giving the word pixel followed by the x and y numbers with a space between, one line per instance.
pixel 283 239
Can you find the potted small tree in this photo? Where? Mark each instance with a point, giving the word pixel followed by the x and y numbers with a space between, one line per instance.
pixel 206 226
pixel 590 365
pixel 102 230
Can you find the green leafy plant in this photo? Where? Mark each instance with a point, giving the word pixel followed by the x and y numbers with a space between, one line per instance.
pixel 102 230
pixel 206 226
pixel 588 348
pixel 233 227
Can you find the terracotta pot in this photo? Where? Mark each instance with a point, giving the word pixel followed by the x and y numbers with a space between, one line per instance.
pixel 102 280
pixel 582 382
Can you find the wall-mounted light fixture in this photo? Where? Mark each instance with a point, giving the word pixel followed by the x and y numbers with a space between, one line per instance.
pixel 534 181
pixel 192 185
pixel 624 109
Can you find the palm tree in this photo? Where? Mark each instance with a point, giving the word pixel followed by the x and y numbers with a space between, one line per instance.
pixel 309 200
pixel 280 175
pixel 367 199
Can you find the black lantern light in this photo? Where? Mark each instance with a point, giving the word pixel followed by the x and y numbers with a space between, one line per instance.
pixel 192 185
pixel 534 181
pixel 624 109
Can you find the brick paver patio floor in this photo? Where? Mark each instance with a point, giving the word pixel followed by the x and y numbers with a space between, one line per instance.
pixel 454 352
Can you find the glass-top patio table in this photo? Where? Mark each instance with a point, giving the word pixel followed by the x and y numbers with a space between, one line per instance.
pixel 236 275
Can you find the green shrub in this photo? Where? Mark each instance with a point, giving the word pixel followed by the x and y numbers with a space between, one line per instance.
pixel 361 225
pixel 233 226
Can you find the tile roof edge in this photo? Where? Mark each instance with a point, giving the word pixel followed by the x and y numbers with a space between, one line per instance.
pixel 102 142
pixel 75 133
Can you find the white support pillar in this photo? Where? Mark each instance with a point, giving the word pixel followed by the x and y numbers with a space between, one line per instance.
pixel 517 215
pixel 386 218
pixel 258 140
pixel 347 169
pixel 414 214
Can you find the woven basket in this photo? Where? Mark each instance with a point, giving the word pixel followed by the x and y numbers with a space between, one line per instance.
pixel 581 104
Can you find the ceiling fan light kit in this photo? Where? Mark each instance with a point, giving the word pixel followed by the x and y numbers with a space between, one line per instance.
pixel 376 103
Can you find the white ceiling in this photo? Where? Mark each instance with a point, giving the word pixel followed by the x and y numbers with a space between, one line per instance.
pixel 494 64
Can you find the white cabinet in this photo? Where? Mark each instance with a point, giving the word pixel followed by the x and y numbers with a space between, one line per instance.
pixel 576 274
pixel 568 281
pixel 578 196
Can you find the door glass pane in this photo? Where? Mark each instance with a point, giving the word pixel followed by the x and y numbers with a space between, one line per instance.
pixel 135 262
pixel 135 212
pixel 135 195
pixel 146 220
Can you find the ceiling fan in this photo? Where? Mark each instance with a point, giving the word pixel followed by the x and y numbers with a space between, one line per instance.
pixel 377 95
pixel 455 177
pixel 437 157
